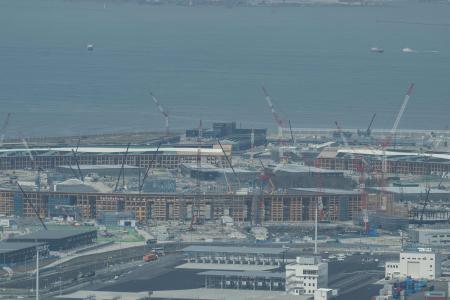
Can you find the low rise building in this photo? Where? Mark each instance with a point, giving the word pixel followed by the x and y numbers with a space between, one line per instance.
pixel 235 255
pixel 306 275
pixel 58 240
pixel 430 237
pixel 417 264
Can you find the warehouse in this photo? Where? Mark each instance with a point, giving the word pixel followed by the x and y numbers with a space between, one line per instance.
pixel 16 252
pixel 58 240
pixel 235 255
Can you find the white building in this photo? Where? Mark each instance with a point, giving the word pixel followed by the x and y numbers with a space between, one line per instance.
pixel 430 237
pixel 306 275
pixel 324 294
pixel 420 264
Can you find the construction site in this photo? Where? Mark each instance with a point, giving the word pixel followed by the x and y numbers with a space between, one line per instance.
pixel 230 208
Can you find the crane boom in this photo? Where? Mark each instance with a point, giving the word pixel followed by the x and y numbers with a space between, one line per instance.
pixel 121 172
pixel 32 206
pixel 163 112
pixel 368 130
pixel 399 116
pixel 149 166
pixel 275 115
pixel 229 163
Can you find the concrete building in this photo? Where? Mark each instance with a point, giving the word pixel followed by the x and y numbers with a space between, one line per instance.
pixel 58 240
pixel 235 255
pixel 418 264
pixel 429 237
pixel 306 275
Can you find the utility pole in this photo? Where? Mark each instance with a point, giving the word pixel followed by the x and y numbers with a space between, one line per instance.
pixel 315 225
pixel 37 272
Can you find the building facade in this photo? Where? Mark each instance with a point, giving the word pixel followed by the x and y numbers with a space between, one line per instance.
pixel 417 264
pixel 306 276
pixel 268 208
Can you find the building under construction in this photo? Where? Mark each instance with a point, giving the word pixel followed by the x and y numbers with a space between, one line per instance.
pixel 50 158
pixel 296 206
pixel 396 162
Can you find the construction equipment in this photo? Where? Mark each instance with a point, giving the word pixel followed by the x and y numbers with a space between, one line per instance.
pixel 290 130
pixel 122 170
pixel 141 186
pixel 230 164
pixel 266 176
pixel 195 205
pixel 427 197
pixel 3 129
pixel 24 195
pixel 368 131
pixel 163 112
pixel 78 165
pixel 279 121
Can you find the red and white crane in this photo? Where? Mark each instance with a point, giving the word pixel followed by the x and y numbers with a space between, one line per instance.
pixel 275 115
pixel 163 112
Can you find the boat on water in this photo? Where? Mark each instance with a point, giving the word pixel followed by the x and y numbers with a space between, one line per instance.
pixel 376 50
pixel 408 50
pixel 90 47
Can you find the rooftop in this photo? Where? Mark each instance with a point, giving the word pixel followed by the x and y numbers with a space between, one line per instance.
pixel 50 234
pixel 323 191
pixel 248 274
pixel 6 247
pixel 107 150
pixel 235 250
pixel 409 190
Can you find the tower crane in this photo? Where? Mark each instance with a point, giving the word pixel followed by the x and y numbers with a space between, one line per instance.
pixel 278 120
pixel 163 112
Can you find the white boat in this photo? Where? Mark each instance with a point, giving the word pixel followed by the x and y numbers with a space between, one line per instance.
pixel 90 47
pixel 376 50
pixel 408 50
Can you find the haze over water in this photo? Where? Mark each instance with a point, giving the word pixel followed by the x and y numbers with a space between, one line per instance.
pixel 210 63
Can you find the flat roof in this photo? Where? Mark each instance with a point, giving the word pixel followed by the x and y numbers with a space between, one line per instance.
pixel 324 191
pixel 390 153
pixel 408 190
pixel 115 150
pixel 51 234
pixel 291 168
pixel 96 167
pixel 251 274
pixel 232 249
pixel 6 247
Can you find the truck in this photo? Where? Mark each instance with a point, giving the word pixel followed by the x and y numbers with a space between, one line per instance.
pixel 150 257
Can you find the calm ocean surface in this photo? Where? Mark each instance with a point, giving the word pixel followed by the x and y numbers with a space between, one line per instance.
pixel 210 62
